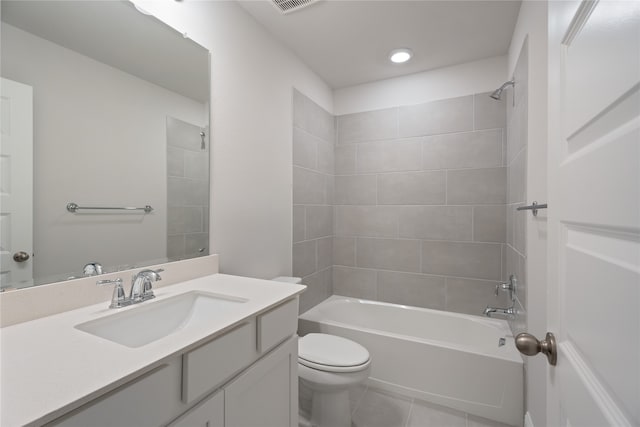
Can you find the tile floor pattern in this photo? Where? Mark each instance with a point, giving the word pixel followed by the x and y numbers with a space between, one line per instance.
pixel 376 408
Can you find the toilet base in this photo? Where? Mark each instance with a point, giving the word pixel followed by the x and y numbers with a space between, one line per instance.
pixel 330 409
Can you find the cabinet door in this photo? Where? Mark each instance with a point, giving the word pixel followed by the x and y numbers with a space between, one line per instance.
pixel 209 413
pixel 266 395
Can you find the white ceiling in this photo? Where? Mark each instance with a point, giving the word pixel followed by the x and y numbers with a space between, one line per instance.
pixel 115 33
pixel 348 42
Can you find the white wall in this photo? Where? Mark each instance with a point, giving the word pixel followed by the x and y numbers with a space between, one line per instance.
pixel 252 81
pixel 93 121
pixel 532 26
pixel 449 82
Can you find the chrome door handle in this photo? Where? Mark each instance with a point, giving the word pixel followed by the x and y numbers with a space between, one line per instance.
pixel 529 345
pixel 21 256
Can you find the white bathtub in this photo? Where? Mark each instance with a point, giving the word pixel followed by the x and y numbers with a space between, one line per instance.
pixel 446 358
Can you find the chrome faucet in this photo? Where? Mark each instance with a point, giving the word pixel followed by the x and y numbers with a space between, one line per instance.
pixel 511 287
pixel 92 269
pixel 118 300
pixel 509 312
pixel 141 285
pixel 141 288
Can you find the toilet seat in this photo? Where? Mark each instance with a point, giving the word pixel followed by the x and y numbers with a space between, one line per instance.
pixel 331 353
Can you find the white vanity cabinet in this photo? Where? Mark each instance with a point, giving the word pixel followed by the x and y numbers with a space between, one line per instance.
pixel 266 394
pixel 208 413
pixel 245 377
pixel 148 401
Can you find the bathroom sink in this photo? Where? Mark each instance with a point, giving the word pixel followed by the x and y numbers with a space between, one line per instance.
pixel 153 320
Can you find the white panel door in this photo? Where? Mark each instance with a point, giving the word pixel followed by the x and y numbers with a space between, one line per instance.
pixel 16 182
pixel 594 212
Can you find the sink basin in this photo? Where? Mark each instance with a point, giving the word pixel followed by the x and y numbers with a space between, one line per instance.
pixel 152 320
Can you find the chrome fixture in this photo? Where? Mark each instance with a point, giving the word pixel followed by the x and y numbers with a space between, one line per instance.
pixel 529 345
pixel 92 269
pixel 498 92
pixel 20 256
pixel 508 312
pixel 202 135
pixel 509 286
pixel 141 288
pixel 533 207
pixel 119 299
pixel 72 207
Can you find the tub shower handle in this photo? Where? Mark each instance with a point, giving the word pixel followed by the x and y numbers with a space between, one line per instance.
pixel 509 286
pixel 529 345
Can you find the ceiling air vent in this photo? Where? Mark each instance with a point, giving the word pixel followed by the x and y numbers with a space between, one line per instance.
pixel 288 6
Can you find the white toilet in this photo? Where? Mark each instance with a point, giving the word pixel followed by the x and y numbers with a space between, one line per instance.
pixel 327 366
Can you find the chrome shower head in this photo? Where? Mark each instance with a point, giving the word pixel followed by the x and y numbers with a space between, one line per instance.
pixel 498 92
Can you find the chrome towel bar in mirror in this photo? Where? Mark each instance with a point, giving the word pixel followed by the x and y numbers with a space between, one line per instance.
pixel 72 207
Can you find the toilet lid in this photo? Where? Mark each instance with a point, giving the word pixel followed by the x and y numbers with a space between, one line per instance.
pixel 326 352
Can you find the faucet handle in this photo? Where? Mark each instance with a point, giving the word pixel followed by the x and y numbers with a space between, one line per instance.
pixel 141 284
pixel 152 274
pixel 147 292
pixel 117 282
pixel 509 286
pixel 118 299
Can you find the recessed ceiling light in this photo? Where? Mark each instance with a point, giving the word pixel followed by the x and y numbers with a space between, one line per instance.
pixel 398 56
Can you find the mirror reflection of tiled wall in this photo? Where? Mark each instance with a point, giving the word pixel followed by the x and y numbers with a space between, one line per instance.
pixel 187 190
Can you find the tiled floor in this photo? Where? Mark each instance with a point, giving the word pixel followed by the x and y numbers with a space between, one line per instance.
pixel 376 408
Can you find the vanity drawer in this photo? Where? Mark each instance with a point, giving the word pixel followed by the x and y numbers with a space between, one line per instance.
pixel 277 324
pixel 150 400
pixel 215 362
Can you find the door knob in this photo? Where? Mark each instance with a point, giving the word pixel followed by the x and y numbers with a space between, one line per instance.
pixel 21 256
pixel 529 345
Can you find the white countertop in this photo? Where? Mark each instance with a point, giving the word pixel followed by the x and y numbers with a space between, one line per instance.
pixel 48 367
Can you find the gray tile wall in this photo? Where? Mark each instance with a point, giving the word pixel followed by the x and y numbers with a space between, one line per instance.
pixel 516 161
pixel 420 194
pixel 187 191
pixel 313 198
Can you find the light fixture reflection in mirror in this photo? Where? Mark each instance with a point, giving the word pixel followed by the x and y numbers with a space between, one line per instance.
pixel 106 83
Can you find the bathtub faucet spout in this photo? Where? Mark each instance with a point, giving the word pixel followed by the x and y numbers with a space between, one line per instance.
pixel 508 312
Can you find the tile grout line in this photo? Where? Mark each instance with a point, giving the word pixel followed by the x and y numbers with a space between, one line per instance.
pixel 503 266
pixel 403 139
pixel 504 148
pixel 304 215
pixel 446 277
pixel 446 187
pixel 401 205
pixel 473 223
pixel 473 115
pixel 406 171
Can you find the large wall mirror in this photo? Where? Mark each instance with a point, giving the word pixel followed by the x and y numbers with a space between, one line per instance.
pixel 103 106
